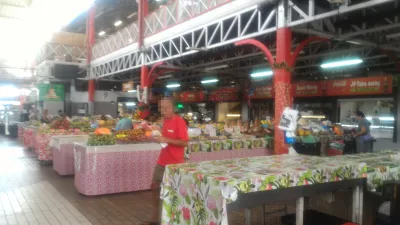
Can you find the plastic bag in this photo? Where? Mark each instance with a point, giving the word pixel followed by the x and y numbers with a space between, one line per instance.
pixel 288 120
pixel 292 151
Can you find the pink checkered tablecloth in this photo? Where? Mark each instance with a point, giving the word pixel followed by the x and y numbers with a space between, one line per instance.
pixel 29 137
pixel 63 152
pixel 42 147
pixel 227 154
pixel 21 134
pixel 112 169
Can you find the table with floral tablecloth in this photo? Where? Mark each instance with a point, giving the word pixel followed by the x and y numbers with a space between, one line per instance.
pixel 381 166
pixel 197 193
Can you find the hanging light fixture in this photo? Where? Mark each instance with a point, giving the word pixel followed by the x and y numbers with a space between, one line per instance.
pixel 342 63
pixel 209 81
pixel 264 73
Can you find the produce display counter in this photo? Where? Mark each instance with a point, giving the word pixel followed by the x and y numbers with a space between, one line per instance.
pixel 63 152
pixel 112 169
pixel 215 187
pixel 21 127
pixel 315 145
pixel 208 150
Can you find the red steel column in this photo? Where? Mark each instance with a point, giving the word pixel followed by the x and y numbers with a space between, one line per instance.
pixel 282 74
pixel 142 12
pixel 91 40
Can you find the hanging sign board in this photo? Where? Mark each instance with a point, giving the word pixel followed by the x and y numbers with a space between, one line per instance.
pixel 307 89
pixel 263 92
pixel 190 96
pixel 360 86
pixel 225 94
pixel 128 86
pixel 51 92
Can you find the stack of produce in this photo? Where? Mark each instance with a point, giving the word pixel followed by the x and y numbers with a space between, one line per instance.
pixel 109 123
pixel 83 126
pixel 101 136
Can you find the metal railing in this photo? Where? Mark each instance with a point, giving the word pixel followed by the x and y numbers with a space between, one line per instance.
pixel 161 19
pixel 61 52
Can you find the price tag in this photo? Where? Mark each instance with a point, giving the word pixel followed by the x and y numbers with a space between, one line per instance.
pixel 236 129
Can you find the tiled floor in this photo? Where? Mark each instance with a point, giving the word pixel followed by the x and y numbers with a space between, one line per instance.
pixel 34 194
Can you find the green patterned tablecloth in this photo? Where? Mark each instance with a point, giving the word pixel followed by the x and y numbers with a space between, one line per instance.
pixel 198 193
pixel 381 166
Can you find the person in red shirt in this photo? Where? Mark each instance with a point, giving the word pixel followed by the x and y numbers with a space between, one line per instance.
pixel 175 137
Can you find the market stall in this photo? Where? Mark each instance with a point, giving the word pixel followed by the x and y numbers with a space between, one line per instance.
pixel 63 152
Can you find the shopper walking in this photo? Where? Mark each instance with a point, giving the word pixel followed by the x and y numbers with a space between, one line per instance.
pixel 174 140
pixel 364 140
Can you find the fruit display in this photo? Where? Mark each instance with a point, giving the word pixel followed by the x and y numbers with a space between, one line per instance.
pixel 60 124
pixel 83 126
pixel 133 136
pixel 99 140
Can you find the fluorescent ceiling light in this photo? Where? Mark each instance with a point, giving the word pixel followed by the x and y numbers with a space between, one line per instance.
pixel 209 81
pixel 354 42
pixel 132 91
pixel 130 104
pixel 341 63
pixel 386 118
pixel 314 117
pixel 233 115
pixel 119 22
pixel 262 74
pixel 101 33
pixel 216 67
pixel 164 77
pixel 393 35
pixel 10 103
pixel 173 85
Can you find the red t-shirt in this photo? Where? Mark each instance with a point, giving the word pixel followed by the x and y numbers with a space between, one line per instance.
pixel 174 128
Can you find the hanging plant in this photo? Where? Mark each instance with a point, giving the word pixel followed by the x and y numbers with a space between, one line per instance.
pixel 283 65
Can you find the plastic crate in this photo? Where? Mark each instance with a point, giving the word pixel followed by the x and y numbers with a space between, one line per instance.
pixel 312 217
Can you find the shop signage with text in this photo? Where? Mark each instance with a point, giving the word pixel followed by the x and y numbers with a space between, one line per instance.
pixel 307 89
pixel 360 86
pixel 263 92
pixel 187 96
pixel 225 94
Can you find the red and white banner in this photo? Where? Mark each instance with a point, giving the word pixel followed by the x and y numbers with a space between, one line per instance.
pixel 307 89
pixel 360 86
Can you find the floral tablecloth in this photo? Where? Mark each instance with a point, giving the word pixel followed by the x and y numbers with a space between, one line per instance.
pixel 198 193
pixel 381 166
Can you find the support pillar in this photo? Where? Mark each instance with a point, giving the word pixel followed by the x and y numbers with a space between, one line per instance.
pixel 91 40
pixel 282 74
pixel 282 66
pixel 142 13
pixel 91 92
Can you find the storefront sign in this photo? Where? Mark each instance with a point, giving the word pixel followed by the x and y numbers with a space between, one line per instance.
pixel 225 94
pixel 187 96
pixel 307 89
pixel 360 86
pixel 263 92
pixel 51 92
pixel 128 86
